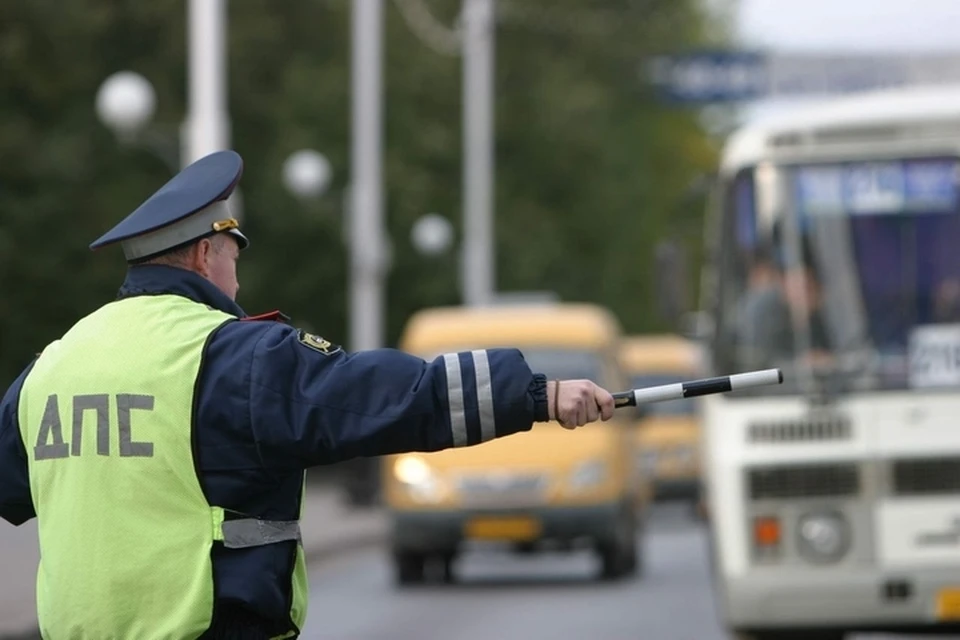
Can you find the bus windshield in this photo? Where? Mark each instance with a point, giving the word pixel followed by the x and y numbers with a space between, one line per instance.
pixel 855 271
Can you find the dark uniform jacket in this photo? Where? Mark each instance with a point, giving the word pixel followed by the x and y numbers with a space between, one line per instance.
pixel 271 402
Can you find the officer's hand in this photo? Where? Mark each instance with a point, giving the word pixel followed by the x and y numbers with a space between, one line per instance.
pixel 574 403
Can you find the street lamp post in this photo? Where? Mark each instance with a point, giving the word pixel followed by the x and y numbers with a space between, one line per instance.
pixel 367 254
pixel 207 126
pixel 478 266
pixel 473 38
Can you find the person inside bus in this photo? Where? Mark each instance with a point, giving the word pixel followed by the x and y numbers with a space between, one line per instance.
pixel 779 299
pixel 946 303
pixel 760 309
pixel 803 290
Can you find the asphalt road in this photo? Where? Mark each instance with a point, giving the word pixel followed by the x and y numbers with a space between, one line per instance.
pixel 511 597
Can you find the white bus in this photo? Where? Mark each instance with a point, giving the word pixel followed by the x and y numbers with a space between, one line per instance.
pixel 834 499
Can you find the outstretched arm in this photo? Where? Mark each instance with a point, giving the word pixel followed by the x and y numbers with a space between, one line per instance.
pixel 313 403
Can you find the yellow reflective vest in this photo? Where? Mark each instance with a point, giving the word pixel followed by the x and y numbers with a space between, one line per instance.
pixel 106 417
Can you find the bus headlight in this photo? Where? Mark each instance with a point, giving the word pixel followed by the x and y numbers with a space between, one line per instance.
pixel 588 474
pixel 823 537
pixel 417 477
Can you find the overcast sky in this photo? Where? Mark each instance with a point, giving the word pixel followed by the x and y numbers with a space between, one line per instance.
pixel 848 25
pixel 902 25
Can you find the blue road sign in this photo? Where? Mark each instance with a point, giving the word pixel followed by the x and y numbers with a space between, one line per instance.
pixel 724 76
pixel 714 76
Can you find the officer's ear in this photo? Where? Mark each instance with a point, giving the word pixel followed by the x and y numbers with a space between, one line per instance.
pixel 200 256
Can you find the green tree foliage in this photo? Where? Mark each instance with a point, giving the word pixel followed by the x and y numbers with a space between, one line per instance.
pixel 590 168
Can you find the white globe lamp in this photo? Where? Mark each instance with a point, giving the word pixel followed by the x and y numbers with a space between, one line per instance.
pixel 432 234
pixel 126 102
pixel 307 173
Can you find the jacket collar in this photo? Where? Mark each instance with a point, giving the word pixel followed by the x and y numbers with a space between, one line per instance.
pixel 156 279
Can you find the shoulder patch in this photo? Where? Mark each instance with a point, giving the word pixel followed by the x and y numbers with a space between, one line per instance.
pixel 317 343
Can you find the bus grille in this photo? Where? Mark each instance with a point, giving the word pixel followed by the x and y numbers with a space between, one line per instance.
pixel 926 476
pixel 807 481
pixel 810 429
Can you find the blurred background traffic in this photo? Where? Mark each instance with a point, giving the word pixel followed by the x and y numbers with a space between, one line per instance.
pixel 639 192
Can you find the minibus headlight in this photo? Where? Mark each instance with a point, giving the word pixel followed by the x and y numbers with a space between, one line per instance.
pixel 420 481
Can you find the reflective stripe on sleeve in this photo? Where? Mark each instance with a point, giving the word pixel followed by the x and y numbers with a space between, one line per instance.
pixel 250 532
pixel 488 421
pixel 458 416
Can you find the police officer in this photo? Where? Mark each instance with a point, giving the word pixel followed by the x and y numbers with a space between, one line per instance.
pixel 162 441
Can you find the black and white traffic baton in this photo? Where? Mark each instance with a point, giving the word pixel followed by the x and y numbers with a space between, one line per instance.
pixel 694 388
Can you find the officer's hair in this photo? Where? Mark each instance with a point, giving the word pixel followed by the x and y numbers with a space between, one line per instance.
pixel 180 257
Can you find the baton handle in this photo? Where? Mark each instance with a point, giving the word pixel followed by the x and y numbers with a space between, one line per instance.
pixel 694 388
